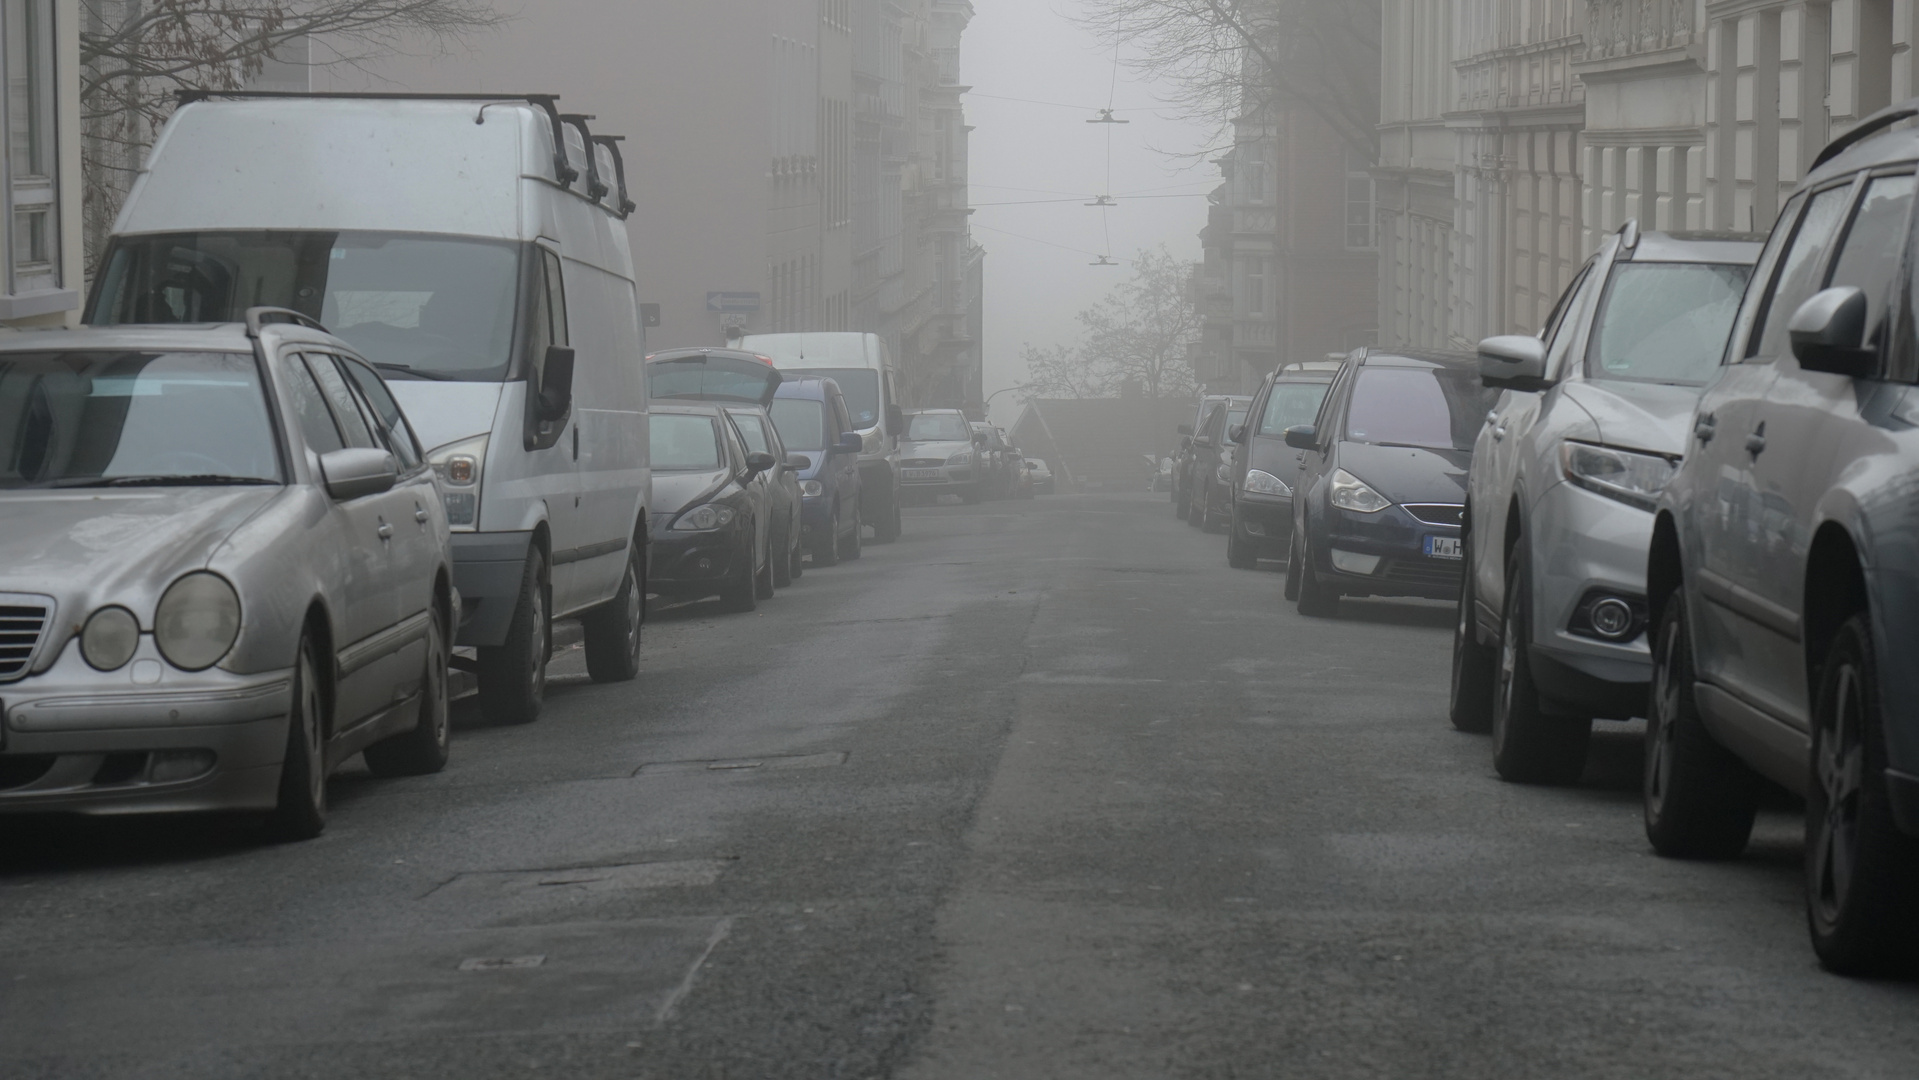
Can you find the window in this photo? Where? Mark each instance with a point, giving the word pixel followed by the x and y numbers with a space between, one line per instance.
pixel 682 443
pixel 1665 322
pixel 1256 286
pixel 752 431
pixel 32 151
pixel 1290 405
pixel 801 423
pixel 1798 272
pixel 1436 408
pixel 386 413
pixel 1362 233
pixel 346 407
pixel 316 422
pixel 1870 256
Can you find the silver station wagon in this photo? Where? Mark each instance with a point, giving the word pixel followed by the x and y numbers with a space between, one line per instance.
pixel 224 570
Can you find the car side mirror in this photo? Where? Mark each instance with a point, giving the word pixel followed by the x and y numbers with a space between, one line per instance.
pixel 1185 441
pixel 850 443
pixel 358 472
pixel 1237 433
pixel 1303 437
pixel 556 383
pixel 1513 362
pixel 798 462
pixel 760 461
pixel 1186 429
pixel 1829 333
pixel 1203 440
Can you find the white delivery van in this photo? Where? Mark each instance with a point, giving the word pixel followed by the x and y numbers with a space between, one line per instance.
pixel 474 249
pixel 863 367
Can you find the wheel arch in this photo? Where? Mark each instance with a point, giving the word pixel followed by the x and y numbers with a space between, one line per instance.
pixel 318 621
pixel 1664 566
pixel 1835 590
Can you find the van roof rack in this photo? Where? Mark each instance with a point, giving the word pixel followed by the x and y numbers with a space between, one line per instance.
pixel 546 102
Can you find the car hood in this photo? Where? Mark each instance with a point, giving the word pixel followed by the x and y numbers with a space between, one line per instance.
pixel 940 450
pixel 675 491
pixel 1637 415
pixel 1408 474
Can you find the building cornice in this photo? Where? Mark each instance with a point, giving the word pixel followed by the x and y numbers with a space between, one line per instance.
pixel 1523 116
pixel 1677 60
pixel 1668 136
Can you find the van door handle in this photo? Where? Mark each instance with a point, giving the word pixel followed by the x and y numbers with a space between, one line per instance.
pixel 386 531
pixel 420 515
pixel 1705 427
pixel 1756 442
pixel 1499 432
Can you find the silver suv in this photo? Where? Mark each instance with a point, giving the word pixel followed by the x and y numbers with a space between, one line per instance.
pixel 1552 611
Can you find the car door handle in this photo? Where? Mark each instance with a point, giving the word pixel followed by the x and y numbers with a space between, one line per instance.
pixel 386 531
pixel 1499 432
pixel 1704 428
pixel 1756 442
pixel 420 515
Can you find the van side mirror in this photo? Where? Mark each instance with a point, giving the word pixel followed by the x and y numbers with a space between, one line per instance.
pixel 358 472
pixel 1513 362
pixel 1303 437
pixel 895 419
pixel 1237 433
pixel 1829 333
pixel 850 443
pixel 556 383
pixel 760 461
pixel 1186 429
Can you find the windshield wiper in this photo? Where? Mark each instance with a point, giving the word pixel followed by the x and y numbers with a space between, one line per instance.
pixel 201 480
pixel 418 373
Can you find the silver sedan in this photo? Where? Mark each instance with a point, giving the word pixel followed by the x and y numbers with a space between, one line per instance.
pixel 224 570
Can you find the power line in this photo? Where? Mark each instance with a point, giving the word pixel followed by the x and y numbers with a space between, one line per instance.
pixel 1037 240
pixel 1053 104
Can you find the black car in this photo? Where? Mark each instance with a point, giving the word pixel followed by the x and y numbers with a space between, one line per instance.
pixel 1209 465
pixel 783 489
pixel 710 518
pixel 1183 470
pixel 1384 484
pixel 1264 469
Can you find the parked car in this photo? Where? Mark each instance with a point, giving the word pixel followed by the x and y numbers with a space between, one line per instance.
pixel 1183 460
pixel 1379 501
pixel 863 367
pixel 1210 479
pixel 427 241
pixel 1264 469
pixel 1783 579
pixel 1591 417
pixel 225 570
pixel 1042 476
pixel 941 454
pixel 1023 487
pixel 996 459
pixel 783 490
pixel 818 432
pixel 711 518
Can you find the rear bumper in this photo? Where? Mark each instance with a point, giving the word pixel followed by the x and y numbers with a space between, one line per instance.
pixel 487 571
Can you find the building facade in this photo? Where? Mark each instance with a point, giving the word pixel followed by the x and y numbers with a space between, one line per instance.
pixel 40 224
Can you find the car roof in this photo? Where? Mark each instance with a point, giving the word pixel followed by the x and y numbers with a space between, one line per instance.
pixel 1418 358
pixel 204 337
pixel 807 388
pixel 728 354
pixel 685 408
pixel 1870 142
pixel 1698 247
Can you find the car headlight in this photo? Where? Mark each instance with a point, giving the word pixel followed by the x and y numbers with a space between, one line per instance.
pixel 705 518
pixel 1224 474
pixel 459 465
pixel 110 638
pixel 1632 478
pixel 1261 482
pixel 197 621
pixel 964 457
pixel 812 489
pixel 1351 493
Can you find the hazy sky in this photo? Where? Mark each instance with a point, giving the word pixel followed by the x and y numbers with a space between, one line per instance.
pixel 1037 277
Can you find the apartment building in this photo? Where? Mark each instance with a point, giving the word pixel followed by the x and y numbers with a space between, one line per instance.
pixel 41 280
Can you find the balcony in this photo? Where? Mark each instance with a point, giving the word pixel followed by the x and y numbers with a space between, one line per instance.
pixel 1623 28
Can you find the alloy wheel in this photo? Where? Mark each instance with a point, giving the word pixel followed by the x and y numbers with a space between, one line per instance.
pixel 1840 770
pixel 1665 701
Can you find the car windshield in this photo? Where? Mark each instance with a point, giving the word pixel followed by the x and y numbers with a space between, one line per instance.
pixel 420 306
pixel 862 389
pixel 801 423
pixel 1235 418
pixel 123 419
pixel 938 427
pixel 1433 408
pixel 1290 405
pixel 1666 322
pixel 684 443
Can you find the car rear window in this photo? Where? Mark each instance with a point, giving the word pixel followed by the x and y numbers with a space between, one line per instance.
pixel 1431 408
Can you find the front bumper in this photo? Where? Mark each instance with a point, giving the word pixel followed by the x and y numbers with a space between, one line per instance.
pixel 78 740
pixel 487 571
pixel 1398 541
pixel 1584 543
pixel 1265 522
pixel 695 562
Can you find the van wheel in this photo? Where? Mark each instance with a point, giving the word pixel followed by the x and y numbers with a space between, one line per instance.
pixel 855 540
pixel 1471 701
pixel 613 629
pixel 781 557
pixel 300 812
pixel 887 528
pixel 1862 873
pixel 513 674
pixel 1530 745
pixel 421 751
pixel 1699 799
pixel 827 552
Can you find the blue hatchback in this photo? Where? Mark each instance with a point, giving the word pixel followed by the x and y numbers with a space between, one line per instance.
pixel 813 422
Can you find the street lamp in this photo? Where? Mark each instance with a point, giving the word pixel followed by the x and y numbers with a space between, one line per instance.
pixel 988 405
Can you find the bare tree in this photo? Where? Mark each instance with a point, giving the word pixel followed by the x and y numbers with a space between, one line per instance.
pixel 1139 333
pixel 1227 59
pixel 134 54
pixel 1063 372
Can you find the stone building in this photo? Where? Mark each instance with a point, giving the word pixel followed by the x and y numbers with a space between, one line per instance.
pixel 40 229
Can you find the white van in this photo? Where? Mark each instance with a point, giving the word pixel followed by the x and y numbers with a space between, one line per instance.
pixel 474 249
pixel 863 367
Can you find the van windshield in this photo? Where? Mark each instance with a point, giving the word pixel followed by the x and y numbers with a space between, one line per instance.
pixel 428 307
pixel 938 427
pixel 862 389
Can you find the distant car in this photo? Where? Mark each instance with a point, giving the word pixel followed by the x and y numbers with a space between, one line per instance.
pixel 1209 483
pixel 1042 476
pixel 824 446
pixel 225 569
pixel 1023 479
pixel 1183 460
pixel 711 514
pixel 1263 469
pixel 942 454
pixel 783 490
pixel 1378 505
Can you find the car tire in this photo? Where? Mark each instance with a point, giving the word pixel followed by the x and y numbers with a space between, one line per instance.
pixel 512 675
pixel 1315 599
pixel 1179 505
pixel 855 543
pixel 742 594
pixel 421 750
pixel 300 812
pixel 1699 800
pixel 1470 704
pixel 1530 745
pixel 1239 553
pixel 796 554
pixel 613 629
pixel 764 584
pixel 1294 549
pixel 1196 509
pixel 1862 872
pixel 887 529
pixel 827 552
pixel 780 555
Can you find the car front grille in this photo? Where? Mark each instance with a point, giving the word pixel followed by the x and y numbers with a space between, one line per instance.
pixel 23 622
pixel 1422 572
pixel 1451 514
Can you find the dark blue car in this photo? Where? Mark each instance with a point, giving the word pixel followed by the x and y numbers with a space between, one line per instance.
pixel 812 418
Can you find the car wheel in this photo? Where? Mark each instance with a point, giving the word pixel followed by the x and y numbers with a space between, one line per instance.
pixel 421 751
pixel 827 552
pixel 1179 505
pixel 1294 549
pixel 1862 872
pixel 301 810
pixel 742 594
pixel 1530 745
pixel 780 555
pixel 887 528
pixel 764 584
pixel 1471 702
pixel 1239 553
pixel 1316 600
pixel 613 629
pixel 855 540
pixel 796 552
pixel 513 674
pixel 1196 509
pixel 1699 799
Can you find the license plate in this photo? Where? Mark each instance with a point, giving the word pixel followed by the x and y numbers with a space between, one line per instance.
pixel 920 474
pixel 1442 547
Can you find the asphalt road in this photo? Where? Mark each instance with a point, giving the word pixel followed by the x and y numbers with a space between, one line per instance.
pixel 1042 791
